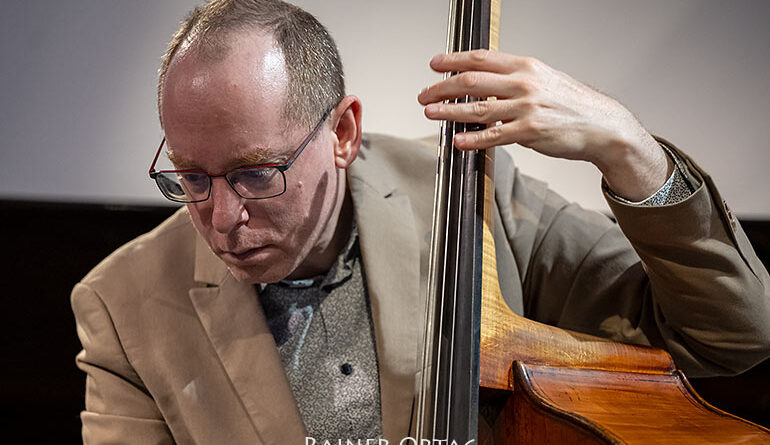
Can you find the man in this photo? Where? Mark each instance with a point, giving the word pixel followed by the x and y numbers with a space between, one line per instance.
pixel 284 300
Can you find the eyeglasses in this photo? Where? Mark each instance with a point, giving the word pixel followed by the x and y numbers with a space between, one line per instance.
pixel 254 182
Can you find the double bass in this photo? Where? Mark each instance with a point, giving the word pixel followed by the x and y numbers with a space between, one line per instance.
pixel 489 376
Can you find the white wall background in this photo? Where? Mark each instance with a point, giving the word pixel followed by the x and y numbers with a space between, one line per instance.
pixel 77 84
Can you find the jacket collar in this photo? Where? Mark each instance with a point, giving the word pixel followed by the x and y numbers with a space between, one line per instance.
pixel 390 249
pixel 237 329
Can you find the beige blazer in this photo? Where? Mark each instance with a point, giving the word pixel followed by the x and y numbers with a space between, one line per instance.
pixel 177 351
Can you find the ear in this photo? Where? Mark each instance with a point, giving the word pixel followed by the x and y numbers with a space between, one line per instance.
pixel 346 126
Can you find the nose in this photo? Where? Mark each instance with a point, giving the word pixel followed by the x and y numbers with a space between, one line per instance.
pixel 228 210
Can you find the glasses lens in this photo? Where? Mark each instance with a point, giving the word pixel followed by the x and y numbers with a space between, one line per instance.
pixel 259 182
pixel 183 186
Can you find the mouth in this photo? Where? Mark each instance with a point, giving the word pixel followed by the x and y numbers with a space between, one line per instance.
pixel 243 256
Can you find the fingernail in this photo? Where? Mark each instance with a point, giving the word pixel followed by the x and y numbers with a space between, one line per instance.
pixel 432 108
pixel 460 138
pixel 437 58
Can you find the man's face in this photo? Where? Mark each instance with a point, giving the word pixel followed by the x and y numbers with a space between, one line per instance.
pixel 224 114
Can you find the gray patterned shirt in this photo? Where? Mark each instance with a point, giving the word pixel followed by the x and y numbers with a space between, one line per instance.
pixel 324 333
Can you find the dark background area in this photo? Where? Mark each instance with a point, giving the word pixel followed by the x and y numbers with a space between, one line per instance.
pixel 53 245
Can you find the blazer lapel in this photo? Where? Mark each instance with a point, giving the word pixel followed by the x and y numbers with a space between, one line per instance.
pixel 236 327
pixel 390 250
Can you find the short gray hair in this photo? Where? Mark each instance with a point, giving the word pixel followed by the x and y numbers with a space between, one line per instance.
pixel 316 81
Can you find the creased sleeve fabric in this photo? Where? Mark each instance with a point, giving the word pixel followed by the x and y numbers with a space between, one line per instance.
pixel 682 276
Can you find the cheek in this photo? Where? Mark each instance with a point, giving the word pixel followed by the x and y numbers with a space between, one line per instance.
pixel 199 215
pixel 295 213
pixel 300 190
pixel 273 214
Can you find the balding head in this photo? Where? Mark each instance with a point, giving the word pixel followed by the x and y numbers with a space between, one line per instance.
pixel 312 63
pixel 245 88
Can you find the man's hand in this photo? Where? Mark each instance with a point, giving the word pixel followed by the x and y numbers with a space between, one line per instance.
pixel 550 112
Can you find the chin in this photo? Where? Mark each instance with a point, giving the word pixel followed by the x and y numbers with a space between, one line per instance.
pixel 257 274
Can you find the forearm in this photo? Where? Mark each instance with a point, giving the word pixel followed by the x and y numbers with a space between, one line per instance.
pixel 698 291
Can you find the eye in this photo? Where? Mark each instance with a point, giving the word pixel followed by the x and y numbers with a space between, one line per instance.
pixel 170 185
pixel 256 182
pixel 253 176
pixel 195 183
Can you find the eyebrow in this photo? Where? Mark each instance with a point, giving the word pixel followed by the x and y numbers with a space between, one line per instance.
pixel 255 156
pixel 178 161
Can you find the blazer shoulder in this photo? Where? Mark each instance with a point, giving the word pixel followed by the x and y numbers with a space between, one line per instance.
pixel 163 254
pixel 391 156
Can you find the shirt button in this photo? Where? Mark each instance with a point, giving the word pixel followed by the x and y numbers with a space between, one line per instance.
pixel 346 369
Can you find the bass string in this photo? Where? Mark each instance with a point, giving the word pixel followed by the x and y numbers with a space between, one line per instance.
pixel 430 311
pixel 439 334
pixel 448 147
pixel 465 44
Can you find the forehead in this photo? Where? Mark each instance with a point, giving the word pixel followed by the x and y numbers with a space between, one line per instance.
pixel 218 110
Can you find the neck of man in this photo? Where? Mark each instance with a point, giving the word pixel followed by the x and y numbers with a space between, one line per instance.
pixel 318 262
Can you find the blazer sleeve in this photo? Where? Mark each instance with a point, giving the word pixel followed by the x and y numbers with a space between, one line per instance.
pixel 681 277
pixel 119 409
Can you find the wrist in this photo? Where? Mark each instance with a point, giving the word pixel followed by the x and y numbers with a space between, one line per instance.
pixel 636 171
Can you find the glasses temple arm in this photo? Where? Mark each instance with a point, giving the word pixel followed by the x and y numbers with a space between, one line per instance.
pixel 155 159
pixel 307 139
